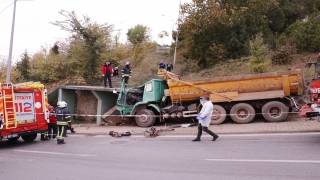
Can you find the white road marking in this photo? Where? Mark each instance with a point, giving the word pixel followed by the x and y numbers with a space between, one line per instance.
pixel 261 160
pixel 194 134
pixel 244 135
pixel 55 153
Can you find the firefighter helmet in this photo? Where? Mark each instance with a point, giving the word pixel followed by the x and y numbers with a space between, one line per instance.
pixel 50 108
pixel 62 104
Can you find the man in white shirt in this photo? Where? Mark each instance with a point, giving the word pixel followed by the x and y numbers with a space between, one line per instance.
pixel 204 118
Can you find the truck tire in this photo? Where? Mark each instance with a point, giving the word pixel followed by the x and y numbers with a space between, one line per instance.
pixel 275 111
pixel 145 118
pixel 219 115
pixel 13 139
pixel 29 138
pixel 242 113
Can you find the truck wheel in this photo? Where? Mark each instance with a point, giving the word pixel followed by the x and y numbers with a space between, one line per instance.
pixel 242 113
pixel 275 111
pixel 219 115
pixel 145 118
pixel 29 138
pixel 14 139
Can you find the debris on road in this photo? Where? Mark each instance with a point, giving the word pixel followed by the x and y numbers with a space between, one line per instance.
pixel 116 134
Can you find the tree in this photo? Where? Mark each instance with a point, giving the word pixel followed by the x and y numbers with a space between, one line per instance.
pixel 213 30
pixel 90 41
pixel 297 10
pixel 258 62
pixel 138 34
pixel 23 66
pixel 163 34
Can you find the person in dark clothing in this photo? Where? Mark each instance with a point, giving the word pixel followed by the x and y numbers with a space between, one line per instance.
pixel 52 125
pixel 162 65
pixel 63 116
pixel 126 73
pixel 107 72
pixel 116 71
pixel 169 67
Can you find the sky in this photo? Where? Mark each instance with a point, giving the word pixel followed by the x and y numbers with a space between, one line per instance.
pixel 32 27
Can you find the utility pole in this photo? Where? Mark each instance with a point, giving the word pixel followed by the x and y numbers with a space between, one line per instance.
pixel 176 44
pixel 11 43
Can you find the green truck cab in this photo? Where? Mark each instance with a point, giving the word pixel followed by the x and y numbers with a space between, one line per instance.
pixel 142 102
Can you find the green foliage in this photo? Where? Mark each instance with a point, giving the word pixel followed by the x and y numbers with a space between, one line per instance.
pixel 15 75
pixel 90 41
pixel 215 30
pixel 49 67
pixel 258 62
pixel 276 18
pixel 306 35
pixel 23 66
pixel 138 34
pixel 294 10
pixel 139 37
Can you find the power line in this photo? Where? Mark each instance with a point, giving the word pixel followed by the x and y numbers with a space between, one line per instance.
pixel 6 7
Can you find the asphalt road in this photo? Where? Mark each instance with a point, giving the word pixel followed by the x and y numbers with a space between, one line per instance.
pixel 253 156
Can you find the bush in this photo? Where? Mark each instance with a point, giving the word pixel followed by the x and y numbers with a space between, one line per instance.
pixel 283 53
pixel 258 62
pixel 257 66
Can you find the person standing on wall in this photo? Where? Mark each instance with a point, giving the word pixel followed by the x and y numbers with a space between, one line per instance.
pixel 204 118
pixel 162 65
pixel 63 116
pixel 126 73
pixel 169 67
pixel 107 72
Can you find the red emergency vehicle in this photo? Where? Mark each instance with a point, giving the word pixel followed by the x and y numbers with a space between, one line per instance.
pixel 23 111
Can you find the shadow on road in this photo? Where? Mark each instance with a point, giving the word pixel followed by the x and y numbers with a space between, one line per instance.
pixel 5 144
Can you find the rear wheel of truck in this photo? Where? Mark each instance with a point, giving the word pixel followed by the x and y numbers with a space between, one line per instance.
pixel 145 118
pixel 242 113
pixel 275 111
pixel 14 139
pixel 29 138
pixel 219 115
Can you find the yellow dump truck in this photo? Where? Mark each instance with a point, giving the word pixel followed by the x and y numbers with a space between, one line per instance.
pixel 241 97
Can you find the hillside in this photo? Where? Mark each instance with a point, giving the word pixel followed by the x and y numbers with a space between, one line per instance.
pixel 149 66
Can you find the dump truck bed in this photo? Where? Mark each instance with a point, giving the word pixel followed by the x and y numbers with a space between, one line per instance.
pixel 236 88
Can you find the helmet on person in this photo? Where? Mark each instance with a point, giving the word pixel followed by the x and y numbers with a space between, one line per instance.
pixel 50 108
pixel 62 104
pixel 127 63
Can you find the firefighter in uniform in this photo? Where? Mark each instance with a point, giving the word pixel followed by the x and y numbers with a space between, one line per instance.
pixel 63 116
pixel 126 73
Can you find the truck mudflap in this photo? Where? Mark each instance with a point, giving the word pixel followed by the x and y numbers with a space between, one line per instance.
pixel 13 135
